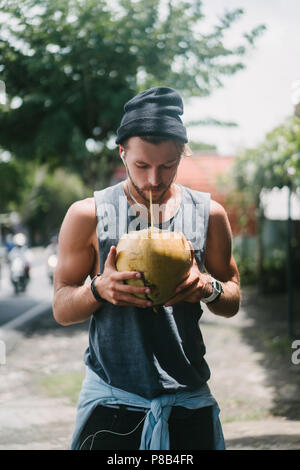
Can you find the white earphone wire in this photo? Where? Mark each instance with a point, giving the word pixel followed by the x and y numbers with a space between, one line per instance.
pixel 111 432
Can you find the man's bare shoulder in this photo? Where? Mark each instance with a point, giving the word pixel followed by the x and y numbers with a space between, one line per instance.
pixel 216 209
pixel 219 224
pixel 79 223
pixel 83 209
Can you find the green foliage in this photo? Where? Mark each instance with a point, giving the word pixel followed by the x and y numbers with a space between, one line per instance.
pixel 247 269
pixel 201 146
pixel 245 255
pixel 46 203
pixel 275 163
pixel 13 181
pixel 211 122
pixel 66 385
pixel 273 275
pixel 274 272
pixel 73 64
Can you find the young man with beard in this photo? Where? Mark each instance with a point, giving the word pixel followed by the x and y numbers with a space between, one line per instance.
pixel 146 376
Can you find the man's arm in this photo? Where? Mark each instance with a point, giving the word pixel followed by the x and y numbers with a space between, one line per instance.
pixel 73 299
pixel 219 263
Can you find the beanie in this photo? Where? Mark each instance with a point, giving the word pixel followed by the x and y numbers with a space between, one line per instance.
pixel 155 111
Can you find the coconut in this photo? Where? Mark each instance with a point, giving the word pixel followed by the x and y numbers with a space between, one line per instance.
pixel 163 258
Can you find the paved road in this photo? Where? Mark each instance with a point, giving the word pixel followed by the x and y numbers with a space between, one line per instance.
pixel 39 289
pixel 252 382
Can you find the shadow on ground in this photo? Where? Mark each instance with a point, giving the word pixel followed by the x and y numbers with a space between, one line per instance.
pixel 268 335
pixel 46 324
pixel 266 442
pixel 14 305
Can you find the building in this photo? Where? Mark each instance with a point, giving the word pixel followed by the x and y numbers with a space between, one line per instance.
pixel 210 172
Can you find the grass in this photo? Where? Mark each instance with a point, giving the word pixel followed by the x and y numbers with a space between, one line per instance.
pixel 279 344
pixel 62 385
pixel 240 410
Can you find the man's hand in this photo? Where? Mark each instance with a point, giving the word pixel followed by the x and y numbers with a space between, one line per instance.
pixel 219 263
pixel 193 288
pixel 111 285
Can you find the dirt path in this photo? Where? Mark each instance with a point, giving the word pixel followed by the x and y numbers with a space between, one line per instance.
pixel 253 380
pixel 255 383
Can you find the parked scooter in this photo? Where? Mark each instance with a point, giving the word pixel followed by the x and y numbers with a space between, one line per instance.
pixel 19 263
pixel 52 257
pixel 19 274
pixel 51 265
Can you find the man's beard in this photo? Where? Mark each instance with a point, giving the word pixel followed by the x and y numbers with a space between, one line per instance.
pixel 140 192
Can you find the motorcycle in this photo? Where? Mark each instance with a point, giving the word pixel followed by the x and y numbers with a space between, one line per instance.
pixel 19 263
pixel 19 274
pixel 51 265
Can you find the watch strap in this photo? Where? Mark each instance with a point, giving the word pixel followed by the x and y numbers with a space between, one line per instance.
pixel 217 290
pixel 94 290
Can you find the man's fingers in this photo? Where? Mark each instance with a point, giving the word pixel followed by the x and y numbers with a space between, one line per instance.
pixel 183 292
pixel 178 298
pixel 192 248
pixel 119 275
pixel 124 275
pixel 175 299
pixel 128 299
pixel 133 289
pixel 110 260
pixel 185 284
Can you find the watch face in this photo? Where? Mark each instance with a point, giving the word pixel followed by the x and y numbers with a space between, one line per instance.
pixel 219 287
pixel 217 290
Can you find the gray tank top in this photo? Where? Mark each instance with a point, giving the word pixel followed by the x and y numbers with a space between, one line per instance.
pixel 137 349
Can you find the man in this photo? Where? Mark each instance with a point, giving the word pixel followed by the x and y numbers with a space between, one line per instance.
pixel 146 380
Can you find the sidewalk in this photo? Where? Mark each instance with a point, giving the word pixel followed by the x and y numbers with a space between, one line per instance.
pixel 253 379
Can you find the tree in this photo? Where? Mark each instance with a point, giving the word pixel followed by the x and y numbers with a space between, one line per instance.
pixel 45 204
pixel 13 182
pixel 274 163
pixel 69 66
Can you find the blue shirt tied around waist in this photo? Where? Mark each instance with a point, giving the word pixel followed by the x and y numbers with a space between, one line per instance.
pixel 155 434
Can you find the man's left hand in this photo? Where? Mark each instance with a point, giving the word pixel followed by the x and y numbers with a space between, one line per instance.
pixel 193 288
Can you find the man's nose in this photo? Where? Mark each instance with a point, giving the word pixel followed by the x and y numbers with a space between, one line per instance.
pixel 154 177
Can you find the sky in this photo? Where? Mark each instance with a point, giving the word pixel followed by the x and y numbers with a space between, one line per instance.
pixel 257 98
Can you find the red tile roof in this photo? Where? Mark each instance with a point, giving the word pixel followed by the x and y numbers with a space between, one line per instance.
pixel 201 172
pixel 204 172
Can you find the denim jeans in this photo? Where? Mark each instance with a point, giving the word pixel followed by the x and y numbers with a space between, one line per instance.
pixel 121 429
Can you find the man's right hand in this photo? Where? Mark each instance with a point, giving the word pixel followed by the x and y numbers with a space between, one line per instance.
pixel 111 286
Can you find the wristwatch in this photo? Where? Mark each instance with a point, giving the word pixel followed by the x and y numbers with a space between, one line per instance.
pixel 217 290
pixel 94 290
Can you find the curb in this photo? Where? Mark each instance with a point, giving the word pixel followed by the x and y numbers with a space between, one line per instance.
pixel 8 332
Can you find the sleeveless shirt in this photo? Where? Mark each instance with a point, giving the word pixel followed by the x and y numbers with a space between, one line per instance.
pixel 136 349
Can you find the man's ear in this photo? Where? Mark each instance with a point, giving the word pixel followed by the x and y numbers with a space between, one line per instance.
pixel 122 152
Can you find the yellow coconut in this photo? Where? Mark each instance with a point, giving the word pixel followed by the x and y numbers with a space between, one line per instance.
pixel 163 258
